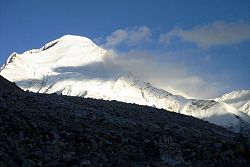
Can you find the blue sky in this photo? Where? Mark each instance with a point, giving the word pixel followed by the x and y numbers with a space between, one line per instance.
pixel 204 43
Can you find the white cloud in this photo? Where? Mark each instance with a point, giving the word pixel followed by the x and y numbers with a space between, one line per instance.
pixel 217 33
pixel 129 36
pixel 116 38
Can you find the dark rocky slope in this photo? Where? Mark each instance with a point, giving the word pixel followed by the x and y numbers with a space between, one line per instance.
pixel 6 85
pixel 53 130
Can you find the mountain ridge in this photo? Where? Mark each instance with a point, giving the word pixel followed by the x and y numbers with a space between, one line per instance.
pixel 239 99
pixel 63 66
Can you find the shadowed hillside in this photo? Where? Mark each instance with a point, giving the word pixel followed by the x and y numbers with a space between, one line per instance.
pixel 6 85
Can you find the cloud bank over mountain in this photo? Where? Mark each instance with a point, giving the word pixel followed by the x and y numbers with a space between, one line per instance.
pixel 145 64
pixel 164 75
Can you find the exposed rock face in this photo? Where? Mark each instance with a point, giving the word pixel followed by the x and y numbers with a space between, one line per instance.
pixel 53 130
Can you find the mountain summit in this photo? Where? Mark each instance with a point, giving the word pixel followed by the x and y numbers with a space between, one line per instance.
pixel 67 66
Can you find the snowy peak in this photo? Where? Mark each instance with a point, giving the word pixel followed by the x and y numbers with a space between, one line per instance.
pixel 75 38
pixel 238 99
pixel 129 79
pixel 61 54
pixel 66 40
pixel 244 94
pixel 69 51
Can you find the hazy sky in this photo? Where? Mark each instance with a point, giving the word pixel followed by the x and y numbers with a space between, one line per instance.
pixel 201 47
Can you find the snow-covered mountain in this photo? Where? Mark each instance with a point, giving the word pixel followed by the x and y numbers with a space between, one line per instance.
pixel 238 99
pixel 68 66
